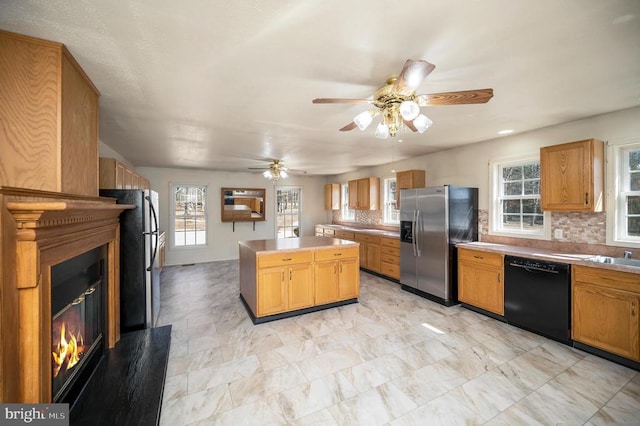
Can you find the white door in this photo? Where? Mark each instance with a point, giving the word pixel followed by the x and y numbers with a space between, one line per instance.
pixel 288 211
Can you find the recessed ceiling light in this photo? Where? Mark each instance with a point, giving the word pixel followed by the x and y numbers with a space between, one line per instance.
pixel 505 131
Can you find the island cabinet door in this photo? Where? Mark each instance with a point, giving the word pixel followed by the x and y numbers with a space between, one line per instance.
pixel 326 282
pixel 349 281
pixel 272 291
pixel 300 286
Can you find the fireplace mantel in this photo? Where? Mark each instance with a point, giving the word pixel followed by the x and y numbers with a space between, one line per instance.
pixel 38 230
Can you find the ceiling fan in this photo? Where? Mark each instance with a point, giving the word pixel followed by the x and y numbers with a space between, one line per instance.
pixel 276 170
pixel 399 104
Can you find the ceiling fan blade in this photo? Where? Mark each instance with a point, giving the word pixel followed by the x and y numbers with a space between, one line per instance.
pixel 349 126
pixel 341 101
pixel 412 74
pixel 410 125
pixel 258 168
pixel 479 96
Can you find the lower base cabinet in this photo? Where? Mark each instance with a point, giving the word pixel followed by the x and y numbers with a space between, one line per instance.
pixel 284 289
pixel 480 280
pixel 605 310
pixel 337 275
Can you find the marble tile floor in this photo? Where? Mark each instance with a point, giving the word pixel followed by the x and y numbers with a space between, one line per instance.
pixel 393 358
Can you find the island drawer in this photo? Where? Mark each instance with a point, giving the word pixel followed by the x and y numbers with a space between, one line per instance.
pixel 285 258
pixel 336 253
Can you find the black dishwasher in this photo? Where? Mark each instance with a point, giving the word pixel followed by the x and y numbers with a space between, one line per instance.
pixel 537 297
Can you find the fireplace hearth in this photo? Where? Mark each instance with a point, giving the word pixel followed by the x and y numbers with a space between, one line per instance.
pixel 77 325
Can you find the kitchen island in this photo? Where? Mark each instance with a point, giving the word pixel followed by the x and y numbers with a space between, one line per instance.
pixel 291 276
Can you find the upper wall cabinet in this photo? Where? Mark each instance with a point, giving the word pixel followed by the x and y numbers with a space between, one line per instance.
pixel 115 174
pixel 332 196
pixel 49 117
pixel 409 179
pixel 572 176
pixel 364 194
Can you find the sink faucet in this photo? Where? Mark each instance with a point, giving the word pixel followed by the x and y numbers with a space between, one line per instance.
pixel 627 255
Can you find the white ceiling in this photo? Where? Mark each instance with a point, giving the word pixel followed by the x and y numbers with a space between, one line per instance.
pixel 227 85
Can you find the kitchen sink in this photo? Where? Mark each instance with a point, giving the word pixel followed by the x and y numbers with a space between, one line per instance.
pixel 635 263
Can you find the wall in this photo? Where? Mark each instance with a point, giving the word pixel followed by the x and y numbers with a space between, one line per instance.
pixel 469 165
pixel 222 240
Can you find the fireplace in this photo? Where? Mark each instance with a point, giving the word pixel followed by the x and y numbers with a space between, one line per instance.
pixel 77 324
pixel 43 236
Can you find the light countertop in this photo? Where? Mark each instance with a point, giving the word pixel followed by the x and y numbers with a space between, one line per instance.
pixel 295 244
pixel 549 255
pixel 372 231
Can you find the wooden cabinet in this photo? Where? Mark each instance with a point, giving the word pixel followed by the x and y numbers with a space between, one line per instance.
pixel 332 196
pixel 605 310
pixel 408 179
pixel 480 280
pixel 364 194
pixel 285 282
pixel 369 251
pixel 572 176
pixel 337 275
pixel 390 257
pixel 114 174
pixel 49 117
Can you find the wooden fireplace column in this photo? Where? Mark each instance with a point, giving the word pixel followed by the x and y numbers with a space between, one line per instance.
pixel 49 229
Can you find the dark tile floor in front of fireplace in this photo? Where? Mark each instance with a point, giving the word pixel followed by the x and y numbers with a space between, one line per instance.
pixel 393 358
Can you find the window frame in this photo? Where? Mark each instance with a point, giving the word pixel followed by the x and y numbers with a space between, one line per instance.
pixel 276 215
pixel 618 192
pixel 390 209
pixel 346 214
pixel 172 219
pixel 495 206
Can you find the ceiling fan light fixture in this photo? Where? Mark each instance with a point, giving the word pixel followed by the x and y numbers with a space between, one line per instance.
pixel 422 123
pixel 283 174
pixel 363 120
pixel 382 131
pixel 267 174
pixel 409 110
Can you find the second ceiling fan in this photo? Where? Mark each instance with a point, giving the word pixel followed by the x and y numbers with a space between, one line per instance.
pixel 399 104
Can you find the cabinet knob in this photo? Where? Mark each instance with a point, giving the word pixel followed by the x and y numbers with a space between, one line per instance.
pixel 286 259
pixel 478 257
pixel 633 309
pixel 289 275
pixel 586 198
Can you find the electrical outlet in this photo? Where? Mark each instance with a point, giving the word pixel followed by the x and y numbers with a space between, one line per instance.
pixel 558 234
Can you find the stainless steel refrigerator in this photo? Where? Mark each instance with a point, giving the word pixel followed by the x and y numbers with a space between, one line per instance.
pixel 139 263
pixel 432 221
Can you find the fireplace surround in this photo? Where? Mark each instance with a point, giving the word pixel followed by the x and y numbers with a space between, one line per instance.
pixel 39 230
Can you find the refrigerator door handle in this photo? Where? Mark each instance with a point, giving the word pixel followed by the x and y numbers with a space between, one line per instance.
pixel 413 232
pixel 154 232
pixel 418 223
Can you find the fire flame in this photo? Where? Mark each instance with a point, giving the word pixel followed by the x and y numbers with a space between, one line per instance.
pixel 67 353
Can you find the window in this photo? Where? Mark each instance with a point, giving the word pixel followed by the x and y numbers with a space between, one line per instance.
pixel 189 215
pixel 287 212
pixel 346 213
pixel 391 213
pixel 628 201
pixel 516 200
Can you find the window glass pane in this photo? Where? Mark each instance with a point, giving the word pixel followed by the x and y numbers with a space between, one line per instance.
pixel 634 181
pixel 531 171
pixel 633 205
pixel 511 221
pixel 512 188
pixel 634 160
pixel 531 187
pixel 633 227
pixel 512 173
pixel 511 206
pixel 531 206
